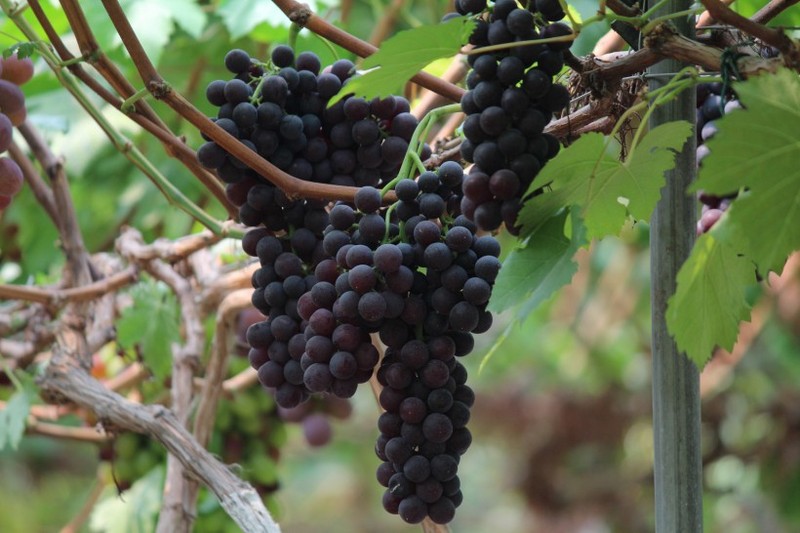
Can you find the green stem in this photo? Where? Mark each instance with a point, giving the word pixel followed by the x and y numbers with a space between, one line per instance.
pixel 388 217
pixel 678 14
pixel 418 162
pixel 576 26
pixel 506 46
pixel 130 102
pixel 256 98
pixel 12 377
pixel 73 61
pixel 417 141
pixel 655 7
pixel 328 45
pixel 120 142
pixel 294 31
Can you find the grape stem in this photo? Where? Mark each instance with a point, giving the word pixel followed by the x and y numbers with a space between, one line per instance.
pixel 129 103
pixel 417 142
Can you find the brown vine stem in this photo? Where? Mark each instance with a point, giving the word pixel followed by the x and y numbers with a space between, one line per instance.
pixel 292 186
pixel 725 15
pixel 65 381
pixel 57 431
pixel 772 10
pixel 217 366
pixel 78 265
pixel 142 114
pixel 178 510
pixel 84 293
pixel 301 15
pixel 130 376
pixel 177 250
pixel 42 192
pixel 567 125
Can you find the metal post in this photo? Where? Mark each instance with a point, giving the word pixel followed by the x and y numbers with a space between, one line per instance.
pixel 676 383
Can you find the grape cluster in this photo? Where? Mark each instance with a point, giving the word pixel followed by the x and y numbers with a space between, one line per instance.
pixel 14 71
pixel 334 277
pixel 511 97
pixel 279 109
pixel 711 106
pixel 314 416
pixel 424 293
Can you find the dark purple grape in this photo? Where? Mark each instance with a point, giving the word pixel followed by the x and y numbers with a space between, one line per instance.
pixel 237 61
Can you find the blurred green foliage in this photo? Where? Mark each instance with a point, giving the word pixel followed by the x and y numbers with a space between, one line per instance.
pixel 562 420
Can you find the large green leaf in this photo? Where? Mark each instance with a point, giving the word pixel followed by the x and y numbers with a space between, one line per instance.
pixel 759 149
pixel 152 323
pixel 709 302
pixel 404 54
pixel 590 175
pixel 531 274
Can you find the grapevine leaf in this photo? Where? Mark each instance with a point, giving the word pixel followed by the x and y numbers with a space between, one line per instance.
pixel 589 174
pixel 151 323
pixel 136 512
pixel 758 149
pixel 406 53
pixel 22 50
pixel 13 419
pixel 709 302
pixel 533 273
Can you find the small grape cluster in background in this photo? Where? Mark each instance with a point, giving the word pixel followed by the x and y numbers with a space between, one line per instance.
pixel 14 71
pixel 712 105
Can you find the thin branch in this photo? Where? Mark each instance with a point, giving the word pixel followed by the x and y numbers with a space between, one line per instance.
pixel 58 297
pixel 57 431
pixel 301 15
pixel 218 363
pixel 78 264
pixel 665 41
pixel 42 192
pixel 133 374
pixel 241 381
pixel 143 114
pixel 177 512
pixel 705 18
pixel 172 251
pixel 567 125
pixel 66 381
pixel 772 10
pixel 725 15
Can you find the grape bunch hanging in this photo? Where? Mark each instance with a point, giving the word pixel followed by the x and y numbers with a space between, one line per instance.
pixel 334 278
pixel 511 98
pixel 14 71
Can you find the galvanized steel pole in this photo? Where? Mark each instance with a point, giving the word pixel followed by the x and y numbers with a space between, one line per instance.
pixel 676 390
